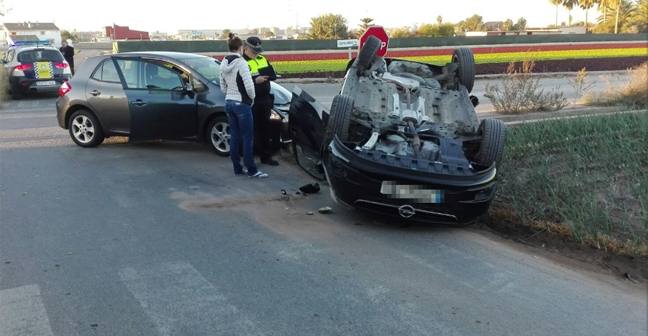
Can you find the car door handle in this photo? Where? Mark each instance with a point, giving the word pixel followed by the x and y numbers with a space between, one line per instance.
pixel 95 92
pixel 138 102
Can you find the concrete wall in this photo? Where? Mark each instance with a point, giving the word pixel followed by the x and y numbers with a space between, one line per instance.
pixel 301 45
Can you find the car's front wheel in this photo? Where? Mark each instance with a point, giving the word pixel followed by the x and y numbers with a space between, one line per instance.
pixel 85 129
pixel 218 134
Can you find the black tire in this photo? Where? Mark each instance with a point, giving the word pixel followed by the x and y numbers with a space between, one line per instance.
pixel 16 95
pixel 491 147
pixel 218 135
pixel 367 53
pixel 465 61
pixel 85 129
pixel 339 119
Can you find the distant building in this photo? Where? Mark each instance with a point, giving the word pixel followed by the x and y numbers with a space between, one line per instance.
pixel 41 31
pixel 494 25
pixel 116 32
pixel 530 31
pixel 199 34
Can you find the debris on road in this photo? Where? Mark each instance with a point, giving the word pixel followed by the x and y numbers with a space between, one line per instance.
pixel 325 210
pixel 311 188
pixel 310 213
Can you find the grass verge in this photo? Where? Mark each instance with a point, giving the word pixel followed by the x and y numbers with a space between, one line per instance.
pixel 583 179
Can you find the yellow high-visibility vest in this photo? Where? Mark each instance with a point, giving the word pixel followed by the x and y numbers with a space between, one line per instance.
pixel 256 64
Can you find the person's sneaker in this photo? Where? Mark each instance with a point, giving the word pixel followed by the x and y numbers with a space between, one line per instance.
pixel 269 162
pixel 259 175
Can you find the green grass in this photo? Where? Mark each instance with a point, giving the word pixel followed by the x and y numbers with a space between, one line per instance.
pixel 292 67
pixel 587 174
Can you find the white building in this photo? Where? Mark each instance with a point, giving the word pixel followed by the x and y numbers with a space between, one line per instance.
pixel 43 31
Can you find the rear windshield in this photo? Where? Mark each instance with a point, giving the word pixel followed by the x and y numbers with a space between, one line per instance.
pixel 36 55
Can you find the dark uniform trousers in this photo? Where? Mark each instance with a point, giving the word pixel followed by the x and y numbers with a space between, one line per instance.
pixel 262 108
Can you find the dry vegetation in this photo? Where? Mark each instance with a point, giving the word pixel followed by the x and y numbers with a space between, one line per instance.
pixel 634 95
pixel 520 92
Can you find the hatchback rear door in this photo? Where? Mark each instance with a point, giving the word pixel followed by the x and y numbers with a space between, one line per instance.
pixel 44 64
pixel 105 94
pixel 161 104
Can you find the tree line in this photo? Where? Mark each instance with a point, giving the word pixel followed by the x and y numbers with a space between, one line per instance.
pixel 616 16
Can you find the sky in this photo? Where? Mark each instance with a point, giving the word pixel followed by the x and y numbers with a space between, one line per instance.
pixel 170 16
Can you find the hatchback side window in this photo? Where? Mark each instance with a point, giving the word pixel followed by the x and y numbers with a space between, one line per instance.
pixel 107 72
pixel 129 69
pixel 159 76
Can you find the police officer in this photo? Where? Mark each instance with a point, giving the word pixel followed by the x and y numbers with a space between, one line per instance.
pixel 262 73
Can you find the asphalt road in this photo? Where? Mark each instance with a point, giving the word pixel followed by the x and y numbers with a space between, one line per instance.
pixel 161 239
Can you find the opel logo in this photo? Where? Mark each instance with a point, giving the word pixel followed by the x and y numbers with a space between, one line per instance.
pixel 406 211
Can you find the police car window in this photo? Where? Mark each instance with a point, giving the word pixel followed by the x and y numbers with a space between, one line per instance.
pixel 129 70
pixel 38 55
pixel 107 72
pixel 161 76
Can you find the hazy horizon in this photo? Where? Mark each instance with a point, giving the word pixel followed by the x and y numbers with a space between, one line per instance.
pixel 200 14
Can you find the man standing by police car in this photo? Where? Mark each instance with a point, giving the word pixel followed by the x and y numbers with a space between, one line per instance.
pixel 262 73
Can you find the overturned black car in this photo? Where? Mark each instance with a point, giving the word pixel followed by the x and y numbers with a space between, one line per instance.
pixel 403 139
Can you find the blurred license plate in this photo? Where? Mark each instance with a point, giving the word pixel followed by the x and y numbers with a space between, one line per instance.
pixel 414 192
pixel 46 83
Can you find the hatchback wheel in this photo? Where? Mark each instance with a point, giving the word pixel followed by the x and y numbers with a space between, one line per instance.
pixel 219 135
pixel 85 129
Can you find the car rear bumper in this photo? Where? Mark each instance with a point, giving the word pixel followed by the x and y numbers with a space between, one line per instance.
pixel 62 106
pixel 359 184
pixel 27 85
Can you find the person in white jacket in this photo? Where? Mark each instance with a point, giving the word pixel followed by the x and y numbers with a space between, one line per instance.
pixel 236 83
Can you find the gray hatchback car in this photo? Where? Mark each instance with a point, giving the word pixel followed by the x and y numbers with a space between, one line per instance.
pixel 154 95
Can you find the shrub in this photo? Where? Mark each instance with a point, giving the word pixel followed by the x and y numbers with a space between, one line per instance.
pixel 521 92
pixel 633 95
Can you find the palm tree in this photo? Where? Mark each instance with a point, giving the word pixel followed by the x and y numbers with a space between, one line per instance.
pixel 586 5
pixel 556 3
pixel 570 4
pixel 603 4
pixel 617 16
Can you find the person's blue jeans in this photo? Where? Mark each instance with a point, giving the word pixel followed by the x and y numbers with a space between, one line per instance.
pixel 242 133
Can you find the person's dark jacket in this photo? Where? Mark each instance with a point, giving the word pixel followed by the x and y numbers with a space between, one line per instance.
pixel 68 54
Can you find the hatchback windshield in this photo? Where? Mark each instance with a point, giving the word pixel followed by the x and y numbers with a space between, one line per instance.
pixel 35 55
pixel 206 66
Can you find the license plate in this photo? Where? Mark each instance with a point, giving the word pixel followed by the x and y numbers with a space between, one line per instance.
pixel 43 70
pixel 46 83
pixel 417 193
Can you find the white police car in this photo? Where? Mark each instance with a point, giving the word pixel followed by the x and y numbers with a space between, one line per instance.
pixel 33 67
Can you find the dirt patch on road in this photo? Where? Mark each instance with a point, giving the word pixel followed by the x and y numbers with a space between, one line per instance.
pixel 292 215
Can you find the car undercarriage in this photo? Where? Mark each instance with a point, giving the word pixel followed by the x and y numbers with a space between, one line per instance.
pixel 403 137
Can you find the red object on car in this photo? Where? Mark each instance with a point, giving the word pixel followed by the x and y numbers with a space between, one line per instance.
pixel 61 65
pixel 23 67
pixel 381 34
pixel 64 89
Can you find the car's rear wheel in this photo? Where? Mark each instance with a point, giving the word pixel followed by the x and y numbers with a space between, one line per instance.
pixel 491 147
pixel 368 53
pixel 218 134
pixel 85 129
pixel 339 119
pixel 15 94
pixel 465 61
